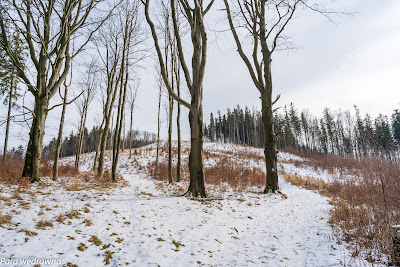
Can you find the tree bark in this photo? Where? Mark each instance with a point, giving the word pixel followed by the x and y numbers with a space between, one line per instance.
pixel 8 119
pixel 158 125
pixel 195 17
pixel 81 133
pixel 171 107
pixel 60 135
pixel 34 149
pixel 269 145
pixel 196 167
pixel 130 129
pixel 178 128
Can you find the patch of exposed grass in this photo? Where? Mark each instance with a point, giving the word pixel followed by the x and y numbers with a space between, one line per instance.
pixel 42 224
pixel 95 240
pixel 82 247
pixel 108 257
pixel 87 222
pixel 5 219
pixel 27 232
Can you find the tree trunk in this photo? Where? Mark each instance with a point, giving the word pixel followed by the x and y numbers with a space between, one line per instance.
pixel 269 135
pixel 81 134
pixel 196 168
pixel 103 143
pixel 178 128
pixel 8 120
pixel 60 135
pixel 96 156
pixel 171 107
pixel 130 131
pixel 158 124
pixel 34 149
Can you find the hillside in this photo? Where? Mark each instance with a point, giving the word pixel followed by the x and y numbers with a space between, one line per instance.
pixel 141 221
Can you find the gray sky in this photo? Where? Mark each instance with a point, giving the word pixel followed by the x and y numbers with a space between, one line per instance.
pixel 354 60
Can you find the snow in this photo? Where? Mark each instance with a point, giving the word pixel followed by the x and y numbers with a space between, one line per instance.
pixel 146 226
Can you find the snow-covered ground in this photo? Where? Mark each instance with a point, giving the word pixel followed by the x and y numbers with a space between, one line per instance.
pixel 142 225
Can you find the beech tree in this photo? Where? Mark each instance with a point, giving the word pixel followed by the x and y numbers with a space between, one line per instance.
pixel 131 101
pixel 195 16
pixel 48 28
pixel 130 26
pixel 265 22
pixel 110 47
pixel 60 129
pixel 89 87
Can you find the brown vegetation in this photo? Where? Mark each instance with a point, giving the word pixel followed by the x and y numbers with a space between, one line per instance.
pixel 46 170
pixel 365 193
pixel 42 224
pixel 365 205
pixel 11 170
pixel 5 219
pixel 226 171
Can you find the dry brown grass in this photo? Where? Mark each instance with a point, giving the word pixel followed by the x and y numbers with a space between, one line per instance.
pixel 5 199
pixel 28 233
pixel 237 176
pixel 90 180
pixel 11 170
pixel 5 219
pixel 42 224
pixel 365 206
pixel 226 173
pixel 46 169
pixel 309 183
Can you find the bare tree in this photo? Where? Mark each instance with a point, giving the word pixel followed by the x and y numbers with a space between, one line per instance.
pixel 48 28
pixel 178 117
pixel 158 117
pixel 195 16
pixel 265 21
pixel 110 48
pixel 60 128
pixel 131 101
pixel 131 29
pixel 169 60
pixel 89 87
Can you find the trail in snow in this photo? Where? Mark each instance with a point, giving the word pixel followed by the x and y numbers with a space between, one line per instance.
pixel 144 227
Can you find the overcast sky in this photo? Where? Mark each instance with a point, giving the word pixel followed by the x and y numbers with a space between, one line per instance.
pixel 354 60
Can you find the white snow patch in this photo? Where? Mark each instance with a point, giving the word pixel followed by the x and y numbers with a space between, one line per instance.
pixel 245 229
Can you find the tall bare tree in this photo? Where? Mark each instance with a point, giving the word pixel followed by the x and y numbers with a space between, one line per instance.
pixel 131 101
pixel 265 21
pixel 48 28
pixel 60 129
pixel 178 124
pixel 110 49
pixel 195 17
pixel 89 87
pixel 131 27
pixel 158 117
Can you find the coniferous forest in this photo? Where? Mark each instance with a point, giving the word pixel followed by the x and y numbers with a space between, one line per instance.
pixel 334 132
pixel 91 139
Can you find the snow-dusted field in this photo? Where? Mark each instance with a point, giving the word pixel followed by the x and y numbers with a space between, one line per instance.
pixel 142 225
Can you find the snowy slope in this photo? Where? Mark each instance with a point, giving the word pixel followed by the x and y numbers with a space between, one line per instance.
pixel 141 225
